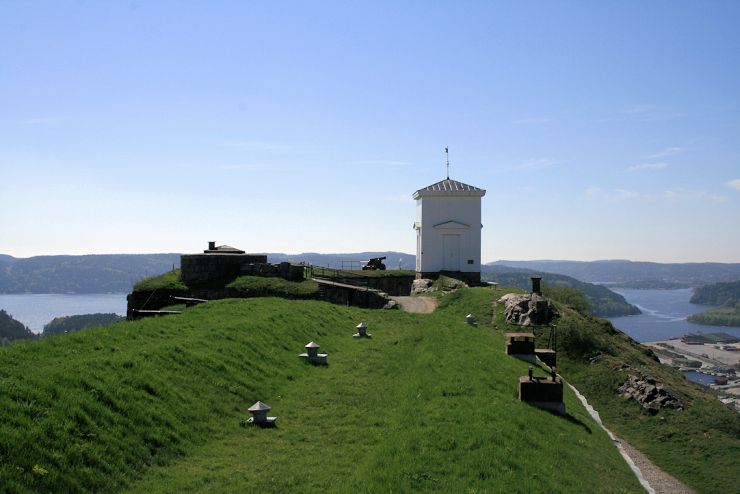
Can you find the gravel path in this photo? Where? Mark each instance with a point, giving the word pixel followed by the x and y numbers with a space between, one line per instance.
pixel 418 305
pixel 660 481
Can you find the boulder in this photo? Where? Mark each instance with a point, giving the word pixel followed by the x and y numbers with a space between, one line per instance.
pixel 422 285
pixel 528 309
pixel 649 393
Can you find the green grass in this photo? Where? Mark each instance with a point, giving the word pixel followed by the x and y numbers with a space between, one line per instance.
pixel 273 286
pixel 170 282
pixel 167 281
pixel 699 445
pixel 428 404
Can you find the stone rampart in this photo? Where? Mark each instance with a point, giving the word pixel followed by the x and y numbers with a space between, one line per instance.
pixel 222 268
pixel 285 270
pixel 208 268
pixel 366 298
pixel 146 300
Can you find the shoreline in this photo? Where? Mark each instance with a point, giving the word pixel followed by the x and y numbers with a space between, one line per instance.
pixel 713 359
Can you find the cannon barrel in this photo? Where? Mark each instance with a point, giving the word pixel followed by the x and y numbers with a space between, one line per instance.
pixel 374 263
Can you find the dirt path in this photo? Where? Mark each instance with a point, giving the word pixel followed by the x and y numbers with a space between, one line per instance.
pixel 418 305
pixel 660 481
pixel 652 477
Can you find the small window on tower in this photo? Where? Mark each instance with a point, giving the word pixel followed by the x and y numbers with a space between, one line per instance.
pixel 470 261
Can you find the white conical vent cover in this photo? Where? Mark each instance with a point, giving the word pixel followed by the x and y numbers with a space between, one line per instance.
pixel 259 406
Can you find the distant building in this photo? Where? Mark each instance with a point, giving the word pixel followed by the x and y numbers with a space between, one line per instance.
pixel 218 265
pixel 448 230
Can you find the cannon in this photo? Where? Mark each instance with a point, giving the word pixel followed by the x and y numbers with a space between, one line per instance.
pixel 374 264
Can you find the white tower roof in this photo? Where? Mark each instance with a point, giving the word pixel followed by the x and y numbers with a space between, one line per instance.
pixel 449 187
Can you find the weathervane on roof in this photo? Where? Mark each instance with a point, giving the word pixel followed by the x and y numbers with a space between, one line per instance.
pixel 447 154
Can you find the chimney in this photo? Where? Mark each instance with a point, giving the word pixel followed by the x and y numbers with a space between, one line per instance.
pixel 312 354
pixel 362 331
pixel 536 285
pixel 211 245
pixel 259 415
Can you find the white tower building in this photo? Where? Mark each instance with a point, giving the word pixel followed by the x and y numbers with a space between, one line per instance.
pixel 448 229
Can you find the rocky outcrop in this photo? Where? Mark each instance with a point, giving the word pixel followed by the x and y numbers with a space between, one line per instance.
pixel 445 285
pixel 649 393
pixel 422 285
pixel 528 309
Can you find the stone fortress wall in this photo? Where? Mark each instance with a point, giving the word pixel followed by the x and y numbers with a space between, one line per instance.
pixel 223 264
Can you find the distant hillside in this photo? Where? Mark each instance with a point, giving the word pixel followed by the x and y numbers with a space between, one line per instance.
pixel 629 274
pixel 725 295
pixel 70 324
pixel 117 273
pixel 11 330
pixel 110 273
pixel 602 301
pixel 717 294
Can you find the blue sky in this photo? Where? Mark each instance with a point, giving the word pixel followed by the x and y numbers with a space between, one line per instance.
pixel 600 130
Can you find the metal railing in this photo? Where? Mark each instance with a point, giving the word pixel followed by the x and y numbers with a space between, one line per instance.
pixel 354 278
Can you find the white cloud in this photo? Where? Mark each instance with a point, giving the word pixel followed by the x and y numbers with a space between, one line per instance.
pixel 623 194
pixel 733 184
pixel 255 145
pixel 380 163
pixel 400 198
pixel 611 195
pixel 250 167
pixel 533 120
pixel 47 120
pixel 535 164
pixel 647 166
pixel 614 195
pixel 593 192
pixel 670 151
pixel 693 195
pixel 649 113
pixel 632 110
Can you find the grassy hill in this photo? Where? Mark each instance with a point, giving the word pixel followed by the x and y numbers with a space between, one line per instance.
pixel 699 445
pixel 428 404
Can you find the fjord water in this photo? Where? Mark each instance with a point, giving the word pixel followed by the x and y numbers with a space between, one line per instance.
pixel 664 314
pixel 35 310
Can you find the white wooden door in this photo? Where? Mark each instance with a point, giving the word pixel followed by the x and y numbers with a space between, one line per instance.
pixel 451 252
